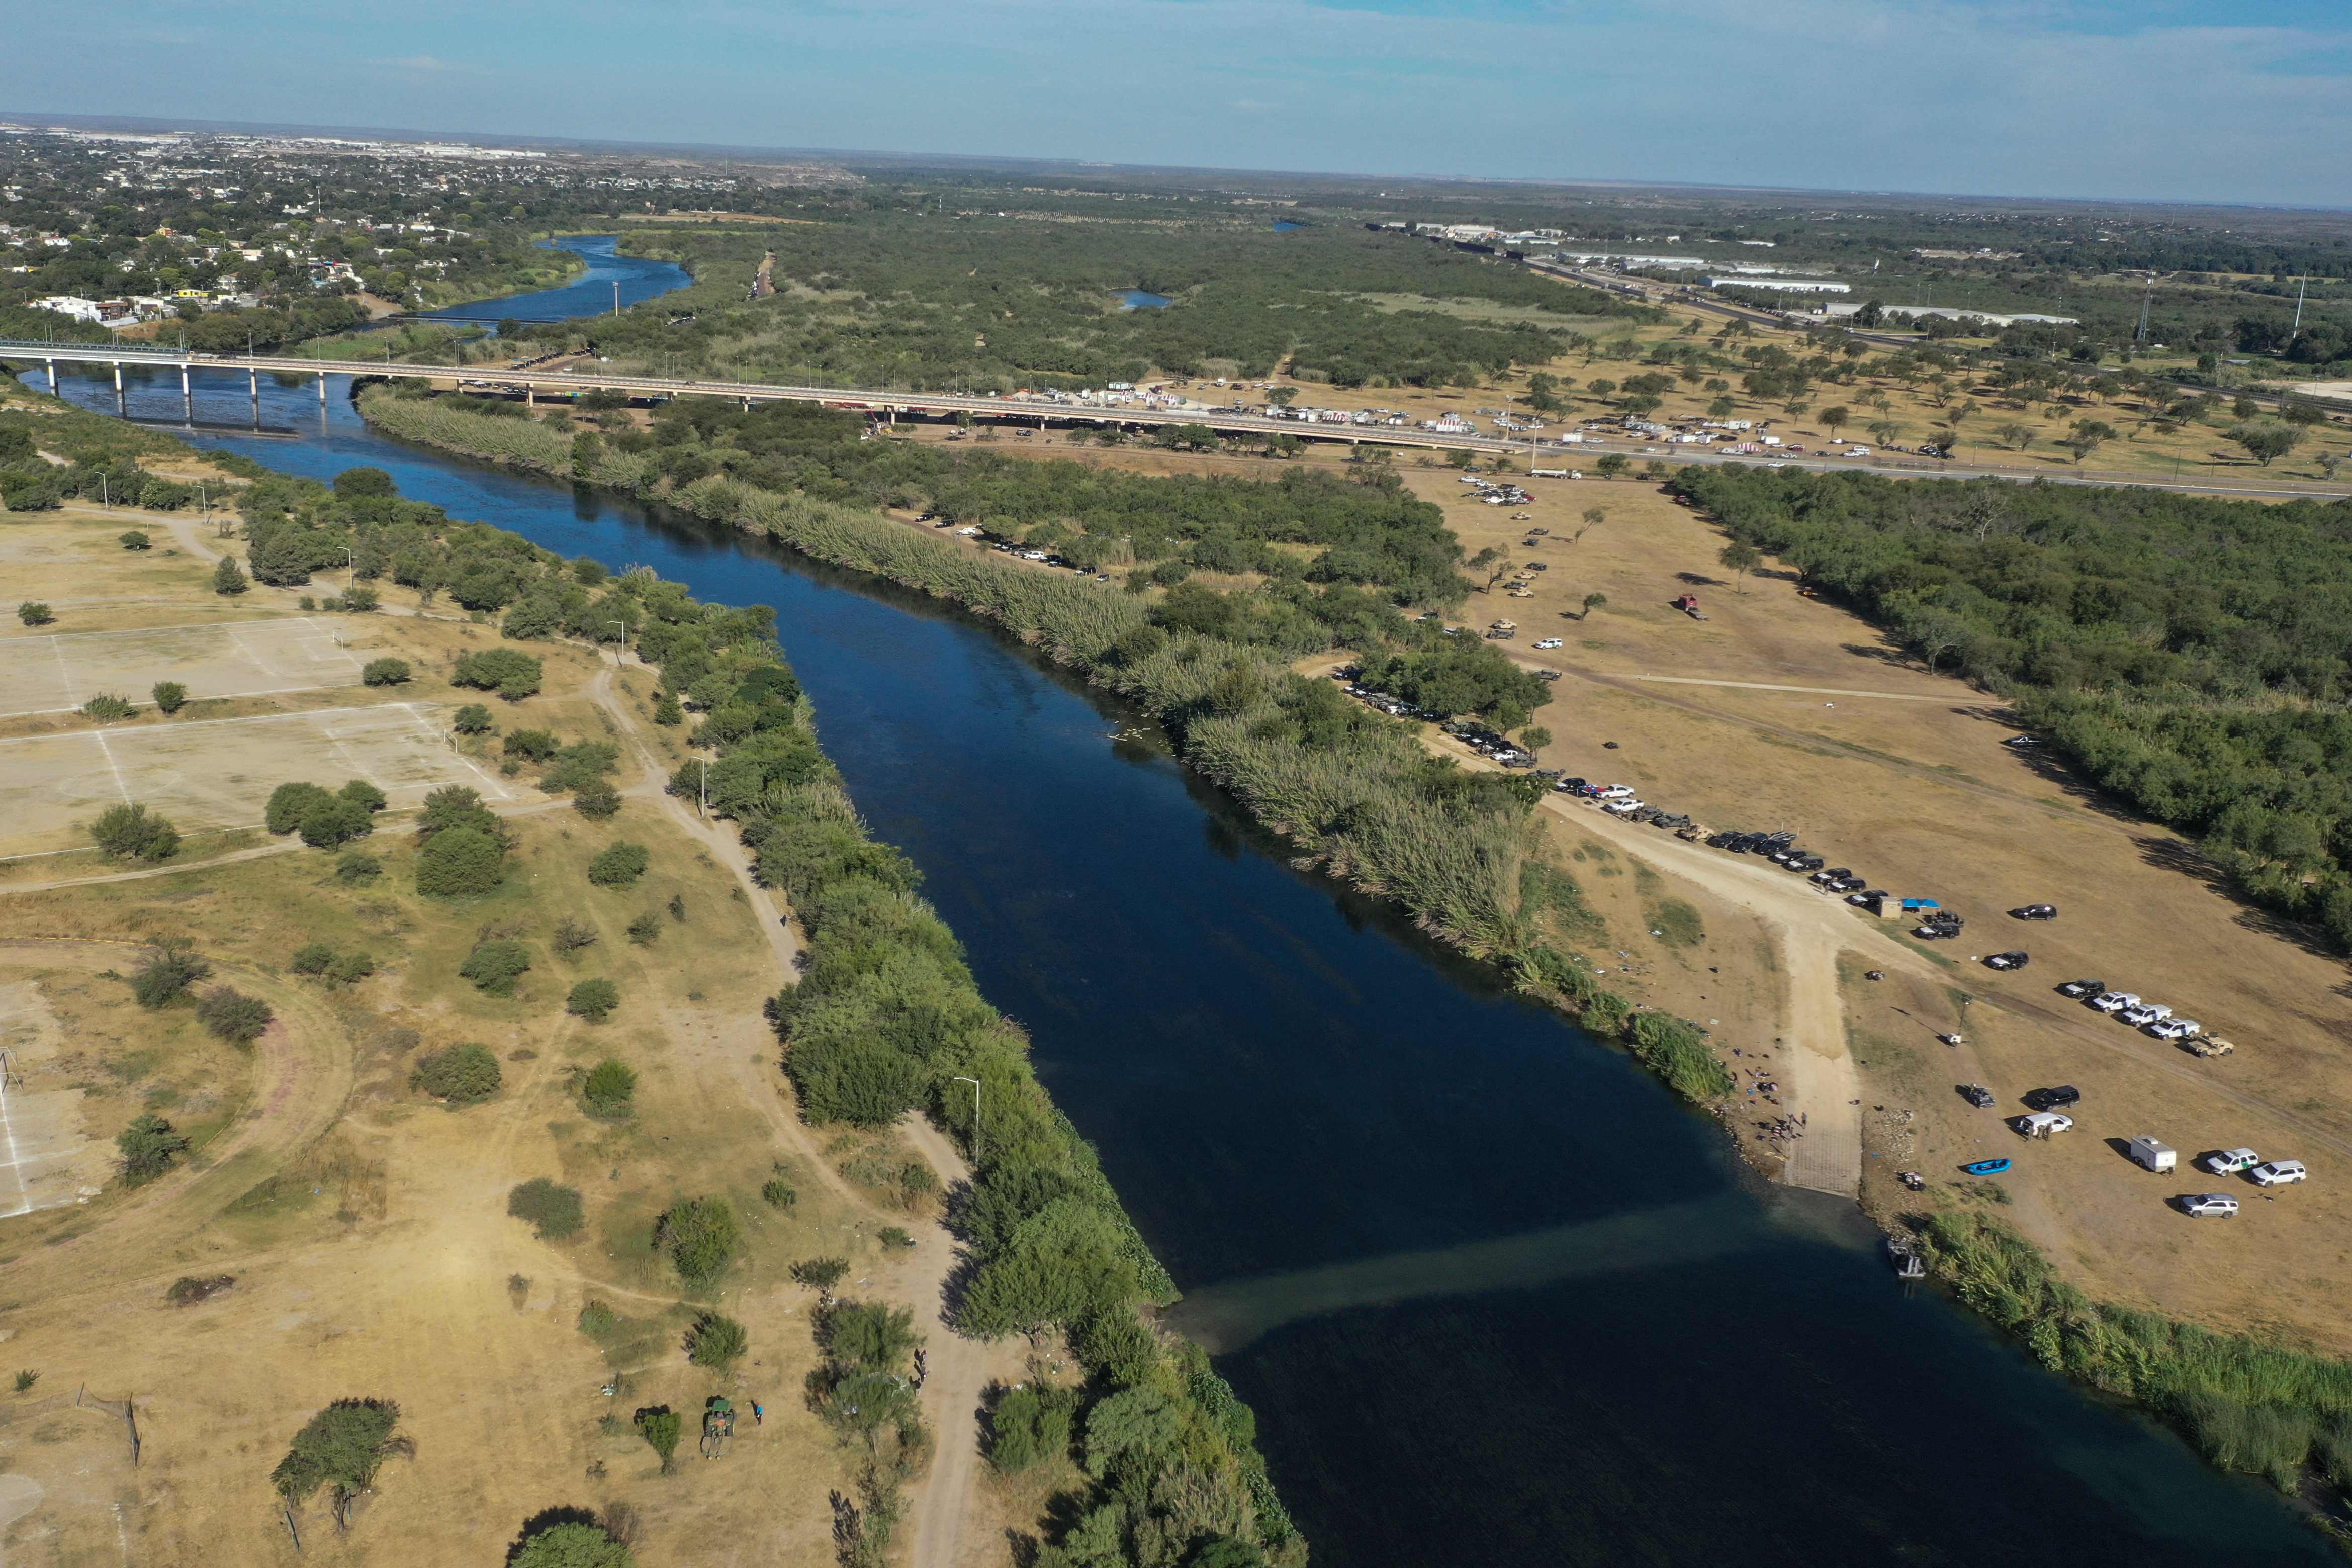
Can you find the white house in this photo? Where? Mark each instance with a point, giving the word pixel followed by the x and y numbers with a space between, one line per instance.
pixel 71 305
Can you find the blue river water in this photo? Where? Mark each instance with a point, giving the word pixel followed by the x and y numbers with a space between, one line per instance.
pixel 1144 299
pixel 590 294
pixel 1496 1299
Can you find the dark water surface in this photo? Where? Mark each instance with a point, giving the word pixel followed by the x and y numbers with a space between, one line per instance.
pixel 1495 1298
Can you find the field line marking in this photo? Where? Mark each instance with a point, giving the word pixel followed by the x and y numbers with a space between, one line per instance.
pixel 108 752
pixel 151 630
pixel 259 691
pixel 496 788
pixel 239 644
pixel 350 761
pixel 9 1129
pixel 65 675
pixel 199 722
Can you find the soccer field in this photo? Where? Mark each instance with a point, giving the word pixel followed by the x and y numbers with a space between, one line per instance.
pixel 245 658
pixel 218 773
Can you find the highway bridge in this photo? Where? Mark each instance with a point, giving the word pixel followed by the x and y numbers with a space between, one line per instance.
pixel 1041 412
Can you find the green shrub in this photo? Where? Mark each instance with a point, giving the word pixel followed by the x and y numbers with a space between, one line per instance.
pixel 620 863
pixel 232 1015
pixel 572 936
pixel 610 1088
pixel 597 1319
pixel 779 1193
pixel 1030 1426
pixel 496 965
pixel 1677 1051
pixel 893 1236
pixel 365 795
pixel 717 1341
pixel 289 803
pixel 342 1446
pixel 133 540
pixel 148 1147
pixel 33 612
pixel 170 697
pixel 350 969
pixel 461 1075
pixel 820 1273
pixel 572 1544
pixel 460 861
pixel 667 710
pixel 335 822
pixel 106 707
pixel 598 802
pixel 227 578
pixel 165 973
pixel 646 929
pixel 659 1427
pixel 126 833
pixel 355 867
pixel 513 675
pixel 455 806
pixel 384 672
pixel 361 600
pixel 592 999
pixel 312 958
pixel 701 1236
pixel 554 1212
pixel 473 719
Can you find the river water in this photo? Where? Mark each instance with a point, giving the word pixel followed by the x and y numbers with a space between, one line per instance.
pixel 1496 1299
pixel 590 294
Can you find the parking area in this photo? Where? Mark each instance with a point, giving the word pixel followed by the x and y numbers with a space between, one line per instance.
pixel 245 658
pixel 218 773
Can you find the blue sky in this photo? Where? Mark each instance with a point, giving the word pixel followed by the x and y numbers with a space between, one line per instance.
pixel 2229 101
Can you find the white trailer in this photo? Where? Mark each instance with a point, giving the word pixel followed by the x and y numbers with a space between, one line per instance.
pixel 2152 1153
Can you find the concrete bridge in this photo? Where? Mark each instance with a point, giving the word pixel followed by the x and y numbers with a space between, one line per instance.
pixel 890 405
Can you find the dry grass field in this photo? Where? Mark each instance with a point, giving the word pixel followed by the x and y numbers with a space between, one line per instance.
pixel 357 1230
pixel 58 673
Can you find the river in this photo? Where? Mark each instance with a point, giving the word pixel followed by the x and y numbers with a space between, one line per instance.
pixel 638 278
pixel 1495 1297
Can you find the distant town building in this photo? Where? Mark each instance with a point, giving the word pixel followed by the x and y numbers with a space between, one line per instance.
pixel 1777 285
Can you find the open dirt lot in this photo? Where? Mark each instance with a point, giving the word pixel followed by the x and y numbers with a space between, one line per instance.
pixel 218 773
pixel 250 658
pixel 1781 711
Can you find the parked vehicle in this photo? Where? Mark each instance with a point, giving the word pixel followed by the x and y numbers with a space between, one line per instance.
pixel 2036 912
pixel 2152 1153
pixel 2211 1045
pixel 2042 1123
pixel 2175 1029
pixel 2230 1162
pixel 2054 1099
pixel 1845 885
pixel 1865 899
pixel 1547 643
pixel 1978 1096
pixel 1622 808
pixel 1617 792
pixel 2203 1204
pixel 2279 1173
pixel 2013 960
pixel 2113 1001
pixel 2080 989
pixel 2144 1014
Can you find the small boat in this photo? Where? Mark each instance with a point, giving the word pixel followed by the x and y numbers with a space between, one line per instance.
pixel 1907 1262
pixel 1986 1168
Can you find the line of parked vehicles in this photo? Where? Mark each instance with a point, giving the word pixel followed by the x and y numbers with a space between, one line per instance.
pixel 2155 1019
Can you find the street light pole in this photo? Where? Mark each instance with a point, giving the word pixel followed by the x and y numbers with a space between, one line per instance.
pixel 622 643
pixel 706 786
pixel 975 1116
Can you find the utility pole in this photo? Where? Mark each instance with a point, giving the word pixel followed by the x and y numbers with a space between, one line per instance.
pixel 2300 284
pixel 616 297
pixel 622 643
pixel 2141 336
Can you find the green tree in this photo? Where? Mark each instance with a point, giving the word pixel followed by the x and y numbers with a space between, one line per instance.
pixel 227 578
pixel 619 864
pixel 868 1336
pixel 384 672
pixel 311 959
pixel 148 1147
pixel 472 719
pixel 170 697
pixel 1835 417
pixel 2087 436
pixel 127 831
pixel 1492 562
pixel 1593 601
pixel 820 1274
pixel 134 541
pixel 2265 440
pixel 457 862
pixel 610 1088
pixel 289 803
pixel 232 1015
pixel 334 822
pixel 494 965
pixel 165 973
pixel 461 1075
pixel 1740 557
pixel 1142 1427
pixel 1030 1426
pixel 1611 466
pixel 364 483
pixel 340 1447
pixel 574 1543
pixel 33 612
pixel 701 1238
pixel 592 999
pixel 717 1341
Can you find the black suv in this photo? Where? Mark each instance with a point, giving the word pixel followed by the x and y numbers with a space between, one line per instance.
pixel 2056 1099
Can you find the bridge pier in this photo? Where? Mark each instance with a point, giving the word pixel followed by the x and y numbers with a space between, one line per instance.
pixel 187 398
pixel 121 409
pixel 322 392
pixel 53 378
